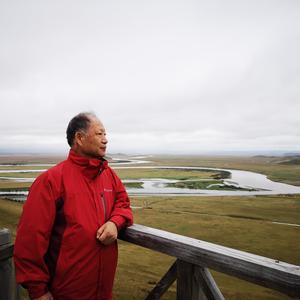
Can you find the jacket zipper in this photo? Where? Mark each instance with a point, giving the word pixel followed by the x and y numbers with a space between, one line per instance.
pixel 104 206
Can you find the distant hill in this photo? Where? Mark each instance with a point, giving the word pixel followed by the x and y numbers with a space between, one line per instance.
pixel 293 161
pixel 297 154
pixel 287 159
pixel 264 156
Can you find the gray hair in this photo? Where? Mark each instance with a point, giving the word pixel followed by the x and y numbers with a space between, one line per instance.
pixel 80 122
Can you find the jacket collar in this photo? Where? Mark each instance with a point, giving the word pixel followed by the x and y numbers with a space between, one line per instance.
pixel 91 168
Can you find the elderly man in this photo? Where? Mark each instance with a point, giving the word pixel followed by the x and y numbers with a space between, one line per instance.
pixel 66 245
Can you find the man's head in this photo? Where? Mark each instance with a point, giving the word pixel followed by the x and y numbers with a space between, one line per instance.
pixel 86 135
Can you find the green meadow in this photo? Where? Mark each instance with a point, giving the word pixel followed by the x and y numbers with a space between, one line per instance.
pixel 165 173
pixel 21 174
pixel 240 222
pixel 23 167
pixel 244 223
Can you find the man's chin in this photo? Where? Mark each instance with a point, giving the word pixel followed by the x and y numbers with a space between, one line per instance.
pixel 102 154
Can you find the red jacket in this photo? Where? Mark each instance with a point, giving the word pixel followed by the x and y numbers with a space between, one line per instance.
pixel 56 248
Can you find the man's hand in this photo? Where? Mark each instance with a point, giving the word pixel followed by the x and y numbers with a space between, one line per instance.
pixel 107 233
pixel 47 296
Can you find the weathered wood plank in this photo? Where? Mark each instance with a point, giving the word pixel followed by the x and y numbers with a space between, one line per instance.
pixel 6 267
pixel 267 272
pixel 164 283
pixel 6 252
pixel 6 247
pixel 5 236
pixel 188 281
pixel 209 285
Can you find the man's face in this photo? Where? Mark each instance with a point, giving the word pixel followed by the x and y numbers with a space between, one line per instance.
pixel 93 143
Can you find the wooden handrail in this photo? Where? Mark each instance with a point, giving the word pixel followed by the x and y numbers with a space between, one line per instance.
pixel 196 256
pixel 257 269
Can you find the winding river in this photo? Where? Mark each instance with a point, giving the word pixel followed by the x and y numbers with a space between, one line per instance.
pixel 258 184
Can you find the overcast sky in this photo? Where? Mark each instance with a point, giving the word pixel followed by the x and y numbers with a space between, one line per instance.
pixel 176 76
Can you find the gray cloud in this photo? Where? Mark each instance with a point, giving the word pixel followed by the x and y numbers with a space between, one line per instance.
pixel 179 76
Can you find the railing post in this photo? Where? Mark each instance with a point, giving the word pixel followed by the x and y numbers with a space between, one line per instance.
pixel 164 283
pixel 6 269
pixel 189 281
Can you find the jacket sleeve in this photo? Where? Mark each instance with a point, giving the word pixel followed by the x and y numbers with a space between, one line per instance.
pixel 32 238
pixel 121 214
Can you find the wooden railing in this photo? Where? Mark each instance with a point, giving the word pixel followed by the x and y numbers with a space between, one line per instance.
pixel 8 287
pixel 194 258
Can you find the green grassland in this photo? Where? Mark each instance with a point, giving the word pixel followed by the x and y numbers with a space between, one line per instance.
pixel 30 159
pixel 136 185
pixel 205 185
pixel 12 185
pixel 244 223
pixel 23 167
pixel 194 184
pixel 165 173
pixel 21 174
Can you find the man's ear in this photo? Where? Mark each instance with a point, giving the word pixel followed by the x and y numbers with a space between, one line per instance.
pixel 79 136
